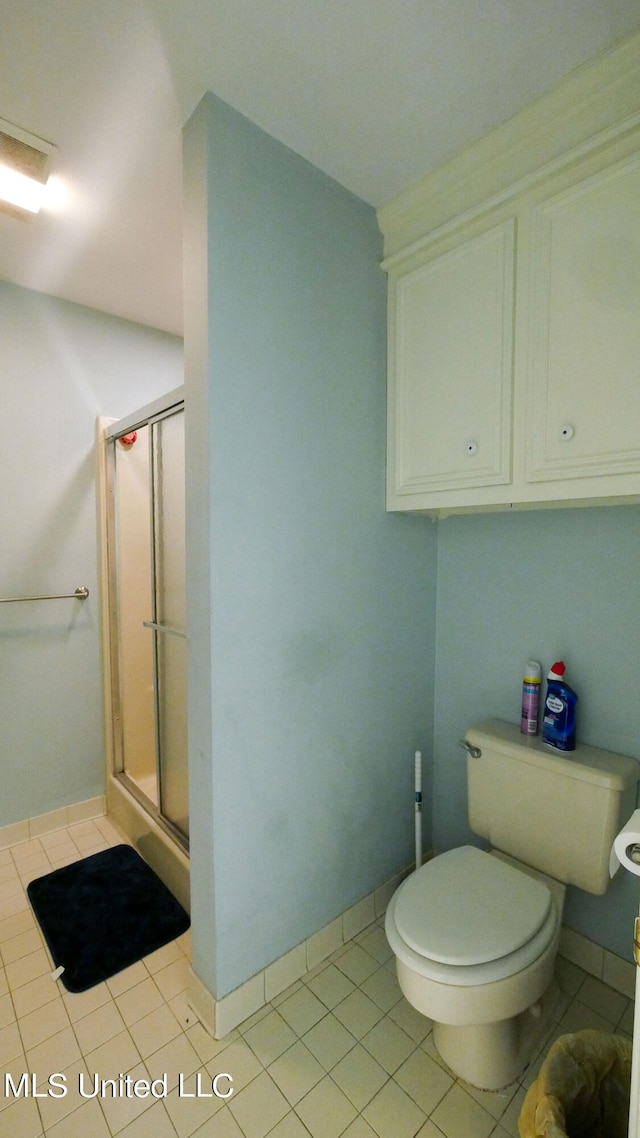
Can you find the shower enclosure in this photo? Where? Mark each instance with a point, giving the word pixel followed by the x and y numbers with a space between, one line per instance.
pixel 141 478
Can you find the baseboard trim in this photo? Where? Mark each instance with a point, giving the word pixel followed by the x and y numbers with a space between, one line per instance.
pixel 599 962
pixel 219 1017
pixel 41 824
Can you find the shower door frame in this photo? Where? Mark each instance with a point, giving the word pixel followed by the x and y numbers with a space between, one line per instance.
pixel 152 413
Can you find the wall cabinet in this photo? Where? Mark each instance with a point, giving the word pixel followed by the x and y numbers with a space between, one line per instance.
pixel 453 364
pixel 584 330
pixel 514 350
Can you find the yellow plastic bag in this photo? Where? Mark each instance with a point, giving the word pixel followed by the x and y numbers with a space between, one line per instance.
pixel 582 1090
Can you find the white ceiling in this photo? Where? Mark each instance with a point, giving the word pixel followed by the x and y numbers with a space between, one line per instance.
pixel 374 92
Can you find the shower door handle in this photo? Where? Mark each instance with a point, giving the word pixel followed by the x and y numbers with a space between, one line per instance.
pixel 164 628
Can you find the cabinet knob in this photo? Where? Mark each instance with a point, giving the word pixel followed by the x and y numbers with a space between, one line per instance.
pixel 471 448
pixel 566 432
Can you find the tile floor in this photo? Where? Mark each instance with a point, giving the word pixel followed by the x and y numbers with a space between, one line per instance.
pixel 339 1053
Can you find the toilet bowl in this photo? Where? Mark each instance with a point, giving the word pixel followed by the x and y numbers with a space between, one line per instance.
pixel 475 937
pixel 476 933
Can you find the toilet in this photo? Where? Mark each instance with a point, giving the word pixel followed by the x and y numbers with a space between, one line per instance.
pixel 475 931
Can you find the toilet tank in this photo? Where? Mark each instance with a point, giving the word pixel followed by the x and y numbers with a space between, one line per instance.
pixel 556 812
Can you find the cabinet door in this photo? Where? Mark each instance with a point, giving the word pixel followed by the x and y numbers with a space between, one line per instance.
pixel 450 369
pixel 584 330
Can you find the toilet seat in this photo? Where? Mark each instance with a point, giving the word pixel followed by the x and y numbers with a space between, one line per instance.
pixel 467 907
pixel 468 918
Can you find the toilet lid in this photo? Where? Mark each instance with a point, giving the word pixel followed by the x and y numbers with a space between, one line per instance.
pixel 468 907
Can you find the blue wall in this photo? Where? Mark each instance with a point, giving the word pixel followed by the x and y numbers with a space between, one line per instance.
pixel 315 645
pixel 62 365
pixel 320 610
pixel 545 585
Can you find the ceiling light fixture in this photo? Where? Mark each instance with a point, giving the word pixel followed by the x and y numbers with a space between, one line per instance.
pixel 24 169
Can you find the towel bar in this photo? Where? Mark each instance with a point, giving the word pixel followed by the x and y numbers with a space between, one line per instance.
pixel 81 593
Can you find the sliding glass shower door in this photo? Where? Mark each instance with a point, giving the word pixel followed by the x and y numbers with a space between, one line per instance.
pixel 147 587
pixel 169 618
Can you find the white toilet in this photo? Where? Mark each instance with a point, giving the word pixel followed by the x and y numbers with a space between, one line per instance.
pixel 476 934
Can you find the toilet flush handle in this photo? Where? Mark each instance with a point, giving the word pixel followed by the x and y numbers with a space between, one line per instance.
pixel 473 752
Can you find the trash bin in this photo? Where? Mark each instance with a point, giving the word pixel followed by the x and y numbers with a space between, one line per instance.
pixel 582 1090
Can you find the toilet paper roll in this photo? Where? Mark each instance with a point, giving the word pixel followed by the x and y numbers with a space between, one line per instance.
pixel 625 850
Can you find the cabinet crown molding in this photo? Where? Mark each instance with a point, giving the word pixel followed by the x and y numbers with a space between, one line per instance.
pixel 591 105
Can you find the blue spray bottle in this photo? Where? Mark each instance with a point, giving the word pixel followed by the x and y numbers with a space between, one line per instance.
pixel 559 721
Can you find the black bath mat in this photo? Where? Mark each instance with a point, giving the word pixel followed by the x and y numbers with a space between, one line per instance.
pixel 103 913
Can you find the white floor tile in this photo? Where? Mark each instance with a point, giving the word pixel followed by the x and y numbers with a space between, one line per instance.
pixel 356 963
pixel 174 1058
pixel 7 1014
pixel 14 1069
pixel 36 994
pixel 331 986
pixel 55 1054
pixel 602 999
pixel 326 1110
pixel 359 1076
pixel 87 1120
pixel 98 1027
pixel 10 1044
pixel 394 1115
pixel 19 923
pixel 80 1004
pixel 11 886
pixel 340 1054
pixel 22 945
pixel 139 1001
pixel 458 1116
pixel 270 1037
pixel 389 1044
pixel 174 978
pixel 383 988
pixel 259 1107
pixel 24 850
pixel 358 1013
pixel 205 1044
pixel 118 1054
pixel 43 1023
pixel 154 1123
pixel 302 1010
pixel 127 978
pixel 221 1125
pixel 237 1060
pixel 359 1129
pixel 54 1108
pixel 290 1127
pixel 296 1072
pixel 416 1026
pixel 424 1080
pixel 27 968
pixel 188 1115
pixel 155 1029
pixel 21 1120
pixel 329 1041
pixel 169 953
pixel 120 1110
